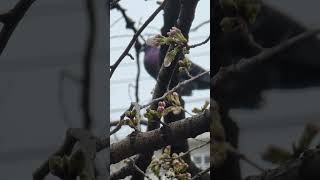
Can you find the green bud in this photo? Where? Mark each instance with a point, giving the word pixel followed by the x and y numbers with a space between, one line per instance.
pixel 170 56
pixel 276 155
pixel 77 163
pixel 228 5
pixel 56 166
pixel 232 24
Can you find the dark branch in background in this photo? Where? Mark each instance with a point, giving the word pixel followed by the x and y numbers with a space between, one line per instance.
pixel 86 141
pixel 138 50
pixel 156 139
pixel 305 168
pixel 263 56
pixel 11 19
pixel 135 37
pixel 87 64
pixel 259 57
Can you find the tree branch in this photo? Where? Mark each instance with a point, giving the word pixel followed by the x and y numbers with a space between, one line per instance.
pixel 265 55
pixel 11 20
pixel 89 144
pixel 306 167
pixel 87 64
pixel 134 38
pixel 156 139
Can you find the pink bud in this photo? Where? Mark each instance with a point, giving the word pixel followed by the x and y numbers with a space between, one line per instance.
pixel 160 109
pixel 162 103
pixel 175 94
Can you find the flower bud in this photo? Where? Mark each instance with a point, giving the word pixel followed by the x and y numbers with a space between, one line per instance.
pixel 162 103
pixel 160 109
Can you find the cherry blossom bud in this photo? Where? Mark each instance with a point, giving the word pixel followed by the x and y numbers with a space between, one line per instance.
pixel 175 94
pixel 160 109
pixel 155 41
pixel 162 103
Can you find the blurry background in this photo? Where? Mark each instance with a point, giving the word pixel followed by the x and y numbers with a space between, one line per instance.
pixel 284 113
pixel 36 105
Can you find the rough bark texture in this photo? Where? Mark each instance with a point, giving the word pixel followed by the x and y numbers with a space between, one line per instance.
pixel 156 139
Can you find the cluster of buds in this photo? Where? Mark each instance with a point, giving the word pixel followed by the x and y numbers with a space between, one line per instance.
pixel 174 98
pixel 184 64
pixel 170 56
pixel 161 106
pixel 176 36
pixel 170 165
pixel 152 114
pixel 232 24
pixel 239 14
pixel 157 40
pixel 68 166
pixel 202 109
pixel 131 118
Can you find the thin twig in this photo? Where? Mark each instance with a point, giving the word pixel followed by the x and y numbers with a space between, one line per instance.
pixel 115 22
pixel 201 173
pixel 193 149
pixel 120 123
pixel 138 50
pixel 200 44
pixel 134 38
pixel 138 169
pixel 200 25
pixel 130 55
pixel 181 84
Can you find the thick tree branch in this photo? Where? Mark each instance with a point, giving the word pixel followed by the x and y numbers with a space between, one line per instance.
pixel 156 139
